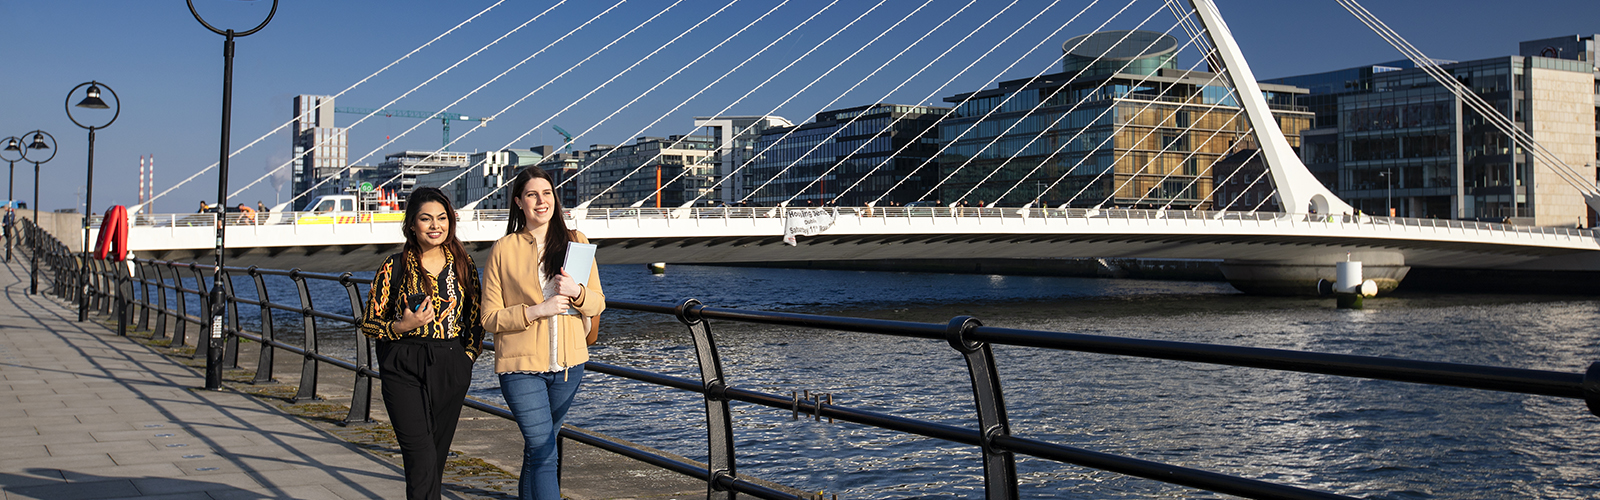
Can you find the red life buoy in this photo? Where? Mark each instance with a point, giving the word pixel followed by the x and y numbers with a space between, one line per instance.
pixel 113 238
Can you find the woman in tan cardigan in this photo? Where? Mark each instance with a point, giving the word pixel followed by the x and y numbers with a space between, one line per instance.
pixel 540 347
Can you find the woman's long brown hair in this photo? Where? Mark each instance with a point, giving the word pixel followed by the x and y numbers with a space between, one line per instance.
pixel 451 243
pixel 556 234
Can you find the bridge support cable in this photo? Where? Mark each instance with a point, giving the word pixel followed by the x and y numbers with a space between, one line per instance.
pixel 735 102
pixel 725 75
pixel 358 83
pixel 791 64
pixel 1246 189
pixel 391 102
pixel 841 128
pixel 1135 143
pixel 998 106
pixel 1046 130
pixel 591 92
pixel 547 82
pixel 830 71
pixel 685 171
pixel 663 81
pixel 1584 184
pixel 1030 112
pixel 958 74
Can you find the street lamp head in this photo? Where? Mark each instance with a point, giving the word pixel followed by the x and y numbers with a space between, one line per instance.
pixel 92 99
pixel 11 144
pixel 38 142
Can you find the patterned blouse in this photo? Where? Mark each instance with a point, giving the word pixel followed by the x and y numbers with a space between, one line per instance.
pixel 385 303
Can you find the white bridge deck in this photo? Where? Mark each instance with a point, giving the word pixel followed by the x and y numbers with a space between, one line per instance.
pixel 710 235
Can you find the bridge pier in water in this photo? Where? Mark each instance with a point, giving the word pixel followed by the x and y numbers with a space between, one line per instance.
pixel 1299 275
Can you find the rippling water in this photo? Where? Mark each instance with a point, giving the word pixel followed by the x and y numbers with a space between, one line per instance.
pixel 1356 437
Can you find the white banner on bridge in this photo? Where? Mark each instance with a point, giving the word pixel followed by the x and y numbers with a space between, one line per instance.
pixel 806 222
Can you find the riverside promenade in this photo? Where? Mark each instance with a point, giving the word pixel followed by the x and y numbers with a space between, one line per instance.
pixel 86 414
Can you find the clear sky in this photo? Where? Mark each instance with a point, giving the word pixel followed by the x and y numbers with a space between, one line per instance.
pixel 167 68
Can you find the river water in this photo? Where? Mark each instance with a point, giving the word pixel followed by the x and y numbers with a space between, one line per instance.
pixel 1363 438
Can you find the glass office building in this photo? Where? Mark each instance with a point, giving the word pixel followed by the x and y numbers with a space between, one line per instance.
pixel 1143 137
pixel 1388 138
pixel 884 144
pixel 664 173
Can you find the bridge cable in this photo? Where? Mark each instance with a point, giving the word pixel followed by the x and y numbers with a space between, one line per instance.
pixel 658 84
pixel 546 84
pixel 391 102
pixel 1488 112
pixel 1253 154
pixel 342 92
pixel 503 183
pixel 997 106
pixel 796 94
pixel 469 168
pixel 935 92
pixel 724 109
pixel 1046 129
pixel 838 128
pixel 963 71
pixel 747 94
pixel 1040 103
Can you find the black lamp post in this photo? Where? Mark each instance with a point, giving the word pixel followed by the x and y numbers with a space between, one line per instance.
pixel 91 100
pixel 1388 192
pixel 37 144
pixel 13 146
pixel 214 342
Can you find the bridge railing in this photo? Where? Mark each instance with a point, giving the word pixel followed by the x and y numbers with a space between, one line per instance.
pixel 968 213
pixel 145 288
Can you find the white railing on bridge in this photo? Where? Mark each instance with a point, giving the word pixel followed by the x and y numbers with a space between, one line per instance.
pixel 969 213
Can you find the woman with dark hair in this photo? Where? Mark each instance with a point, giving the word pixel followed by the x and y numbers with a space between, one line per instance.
pixel 423 310
pixel 540 347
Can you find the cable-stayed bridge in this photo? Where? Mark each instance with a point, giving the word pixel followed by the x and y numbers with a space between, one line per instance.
pixel 1140 120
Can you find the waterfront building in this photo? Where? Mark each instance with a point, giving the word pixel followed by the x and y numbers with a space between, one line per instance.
pixel 324 145
pixel 911 135
pixel 1144 133
pixel 677 167
pixel 736 138
pixel 482 177
pixel 1389 139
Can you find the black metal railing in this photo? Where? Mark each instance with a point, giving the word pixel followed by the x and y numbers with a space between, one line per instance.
pixel 118 291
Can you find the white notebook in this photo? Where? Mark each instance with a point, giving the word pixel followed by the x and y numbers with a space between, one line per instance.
pixel 580 258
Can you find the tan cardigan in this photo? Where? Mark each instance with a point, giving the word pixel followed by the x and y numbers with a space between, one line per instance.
pixel 510 286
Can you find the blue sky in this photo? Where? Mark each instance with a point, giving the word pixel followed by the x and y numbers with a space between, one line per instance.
pixel 167 68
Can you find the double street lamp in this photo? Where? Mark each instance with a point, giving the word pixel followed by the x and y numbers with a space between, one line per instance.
pixel 13 146
pixel 38 145
pixel 91 100
pixel 214 341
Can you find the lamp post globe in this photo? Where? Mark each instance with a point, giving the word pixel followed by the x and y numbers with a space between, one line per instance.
pixel 11 153
pixel 213 343
pixel 38 145
pixel 91 100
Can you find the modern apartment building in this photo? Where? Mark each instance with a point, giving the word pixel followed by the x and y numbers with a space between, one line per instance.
pixel 660 172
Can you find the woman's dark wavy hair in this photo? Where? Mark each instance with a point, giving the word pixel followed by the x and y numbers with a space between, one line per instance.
pixel 451 243
pixel 556 233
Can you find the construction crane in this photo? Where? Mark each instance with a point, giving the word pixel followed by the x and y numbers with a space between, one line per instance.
pixel 442 116
pixel 565 134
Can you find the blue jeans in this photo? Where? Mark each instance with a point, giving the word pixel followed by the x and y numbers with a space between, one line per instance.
pixel 540 402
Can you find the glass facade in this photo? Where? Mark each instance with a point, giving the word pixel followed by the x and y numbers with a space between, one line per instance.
pixel 1127 143
pixel 792 157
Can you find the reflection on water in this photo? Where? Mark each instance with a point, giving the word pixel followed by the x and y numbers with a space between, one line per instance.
pixel 1355 437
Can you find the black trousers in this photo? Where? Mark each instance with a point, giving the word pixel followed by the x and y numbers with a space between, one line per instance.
pixel 424 384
